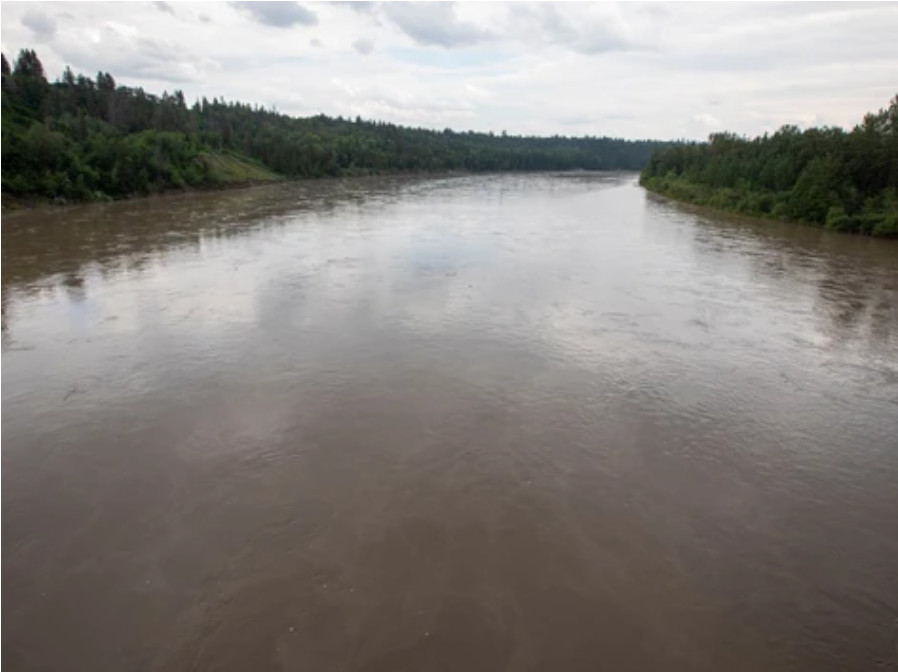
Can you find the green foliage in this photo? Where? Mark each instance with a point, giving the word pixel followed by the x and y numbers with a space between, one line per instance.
pixel 81 138
pixel 838 220
pixel 822 176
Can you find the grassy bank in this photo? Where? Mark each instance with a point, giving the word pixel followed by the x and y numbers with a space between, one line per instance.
pixel 229 169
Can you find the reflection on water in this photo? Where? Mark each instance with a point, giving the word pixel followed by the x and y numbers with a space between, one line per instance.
pixel 505 422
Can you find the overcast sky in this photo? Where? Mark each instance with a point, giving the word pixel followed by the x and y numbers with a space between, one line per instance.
pixel 631 70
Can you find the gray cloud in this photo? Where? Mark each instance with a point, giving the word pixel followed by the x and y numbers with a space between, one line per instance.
pixel 433 24
pixel 601 29
pixel 363 45
pixel 164 7
pixel 363 7
pixel 134 57
pixel 278 14
pixel 40 24
pixel 205 18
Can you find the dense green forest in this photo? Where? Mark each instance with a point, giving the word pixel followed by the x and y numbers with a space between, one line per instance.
pixel 847 181
pixel 86 139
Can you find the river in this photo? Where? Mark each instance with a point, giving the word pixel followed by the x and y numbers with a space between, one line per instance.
pixel 507 422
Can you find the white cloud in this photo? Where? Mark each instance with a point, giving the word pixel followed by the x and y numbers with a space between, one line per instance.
pixel 708 120
pixel 634 70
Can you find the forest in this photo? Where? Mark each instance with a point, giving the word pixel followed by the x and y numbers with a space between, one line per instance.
pixel 829 177
pixel 81 139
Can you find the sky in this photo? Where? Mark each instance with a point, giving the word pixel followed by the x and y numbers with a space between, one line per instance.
pixel 633 70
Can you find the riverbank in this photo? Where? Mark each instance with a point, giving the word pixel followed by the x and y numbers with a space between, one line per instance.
pixel 239 172
pixel 231 173
pixel 765 205
pixel 222 170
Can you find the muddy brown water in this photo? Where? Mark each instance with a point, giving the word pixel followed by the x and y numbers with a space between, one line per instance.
pixel 531 422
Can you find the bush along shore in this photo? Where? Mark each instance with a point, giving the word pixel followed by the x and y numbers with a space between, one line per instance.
pixel 844 181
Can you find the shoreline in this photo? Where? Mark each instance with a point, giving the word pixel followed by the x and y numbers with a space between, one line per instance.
pixel 25 205
pixel 757 216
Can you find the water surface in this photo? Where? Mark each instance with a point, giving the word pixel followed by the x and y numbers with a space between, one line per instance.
pixel 480 423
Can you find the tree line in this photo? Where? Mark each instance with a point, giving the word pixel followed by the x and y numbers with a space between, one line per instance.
pixel 83 138
pixel 842 180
